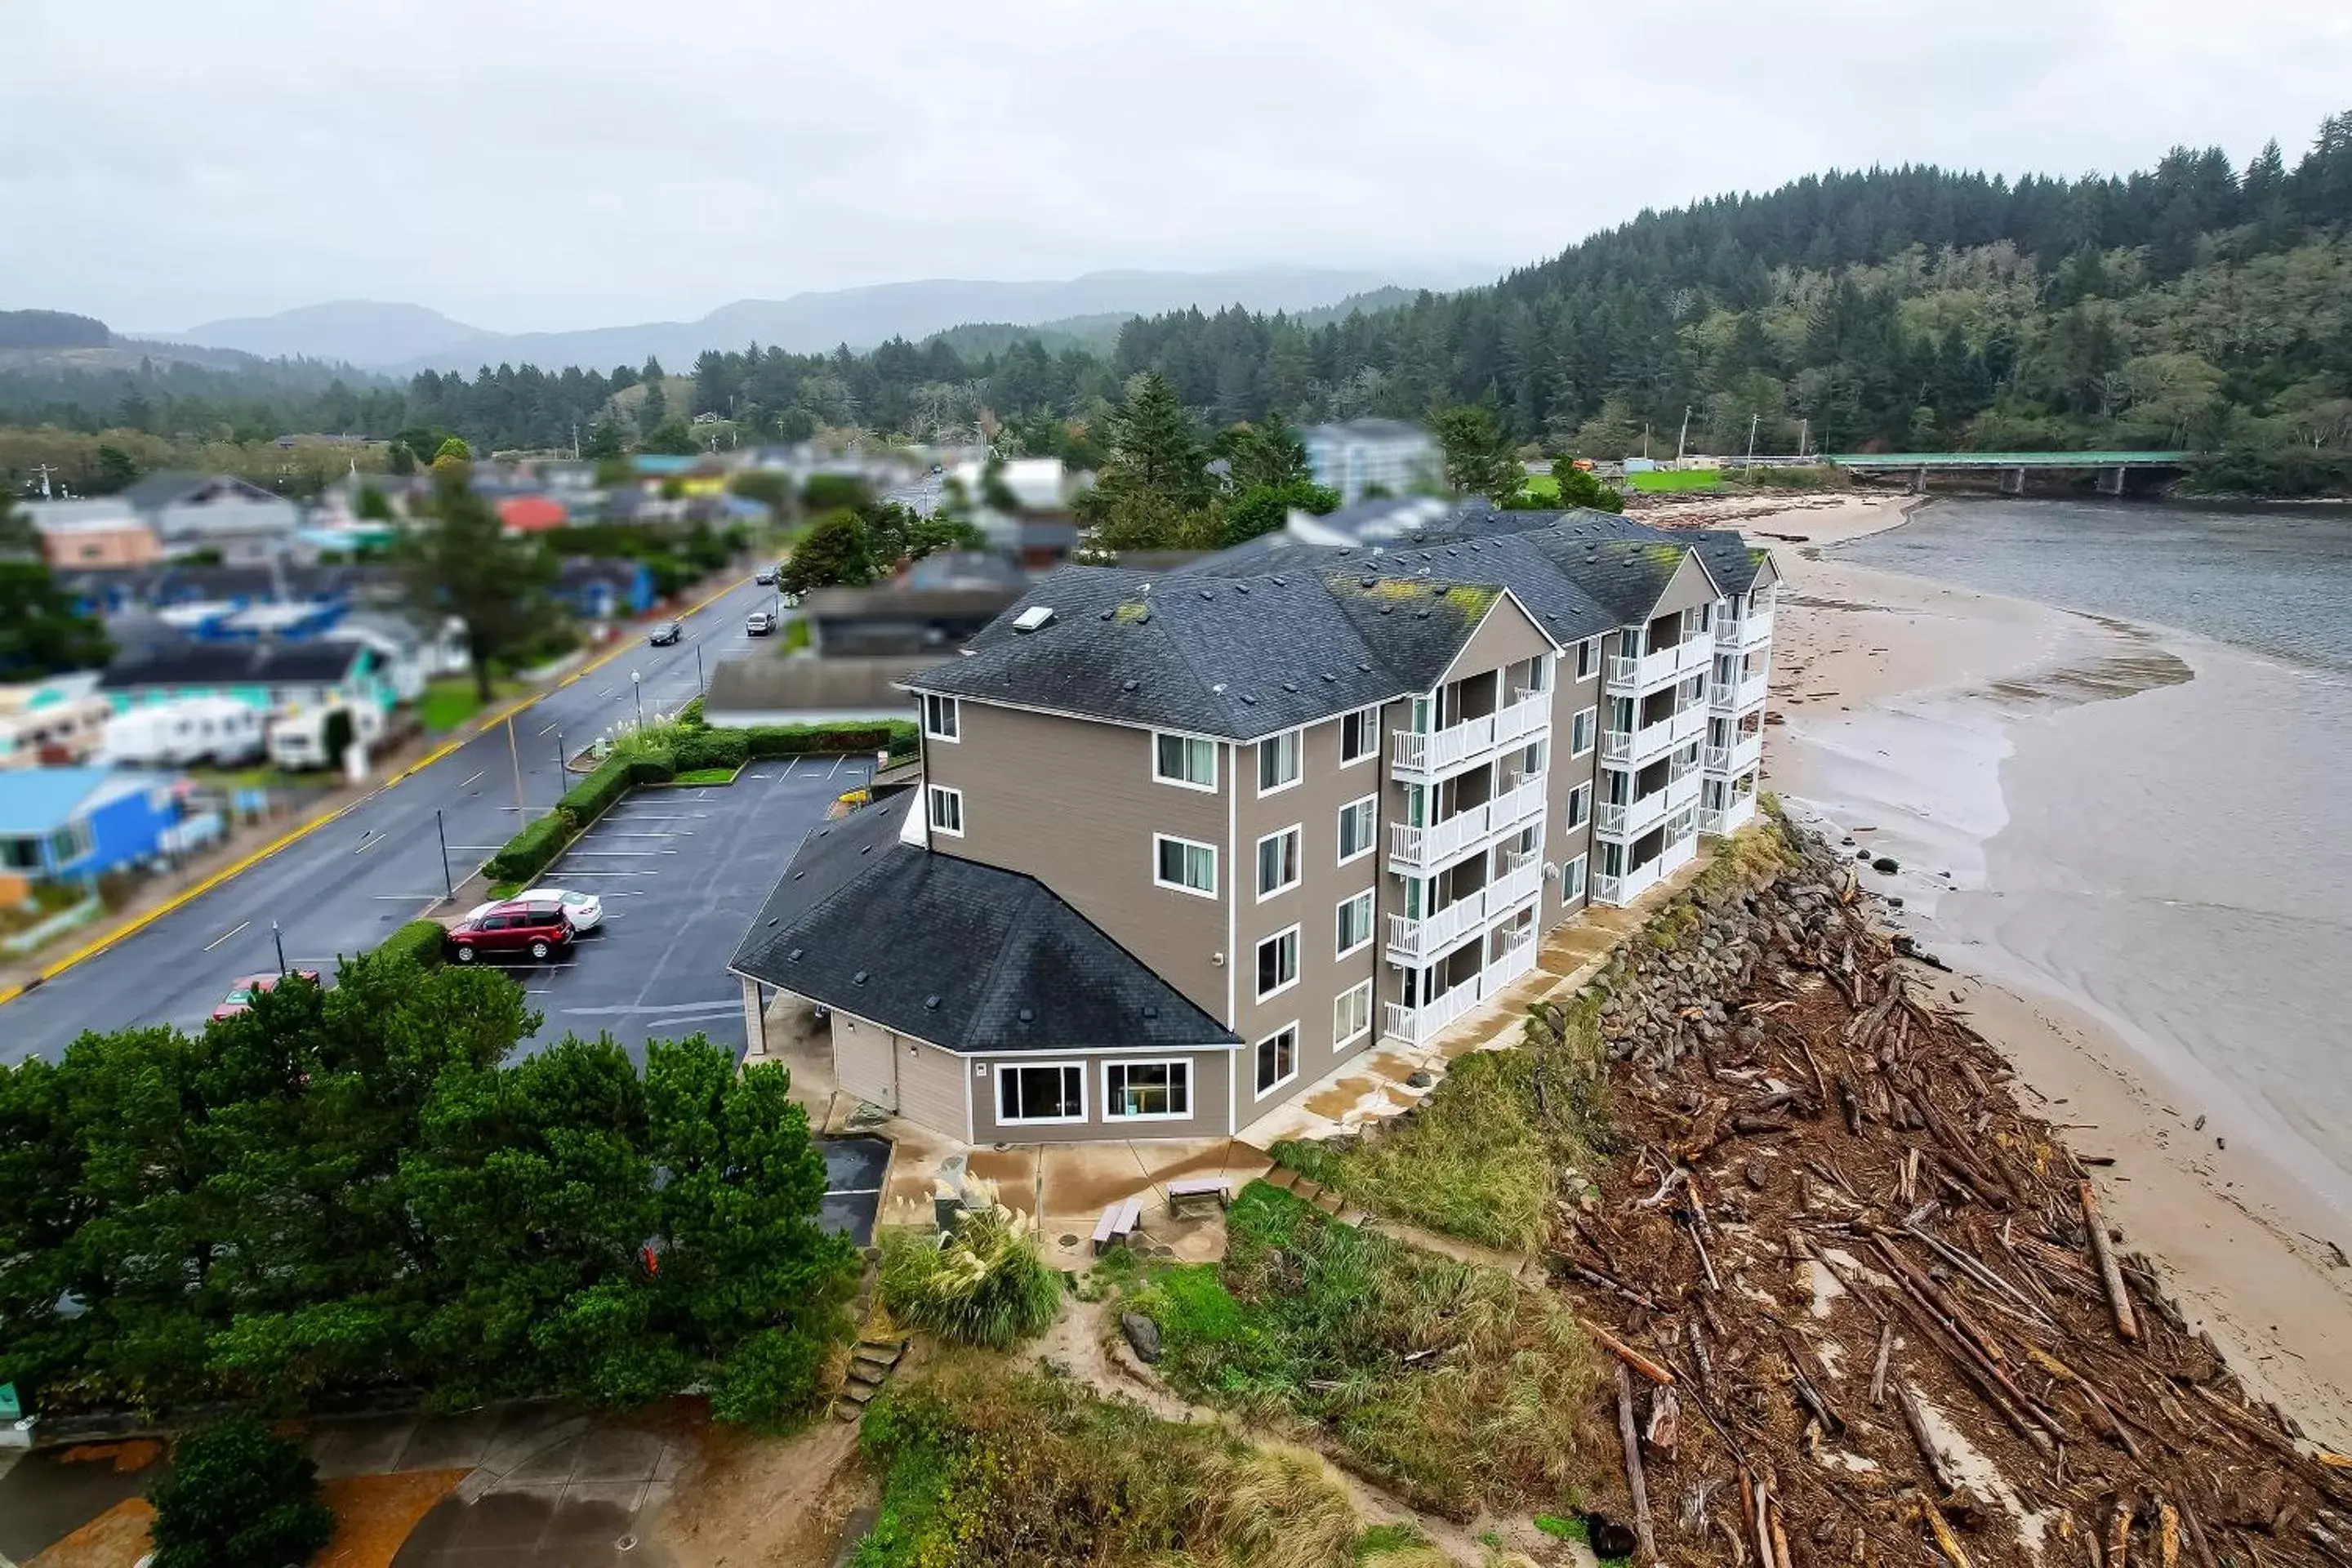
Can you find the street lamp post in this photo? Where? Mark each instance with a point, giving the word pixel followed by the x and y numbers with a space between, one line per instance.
pixel 637 684
pixel 443 834
pixel 698 667
pixel 280 938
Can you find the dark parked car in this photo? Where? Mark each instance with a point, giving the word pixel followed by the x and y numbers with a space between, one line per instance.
pixel 540 929
pixel 664 634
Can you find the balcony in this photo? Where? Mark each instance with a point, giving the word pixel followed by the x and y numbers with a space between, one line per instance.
pixel 1417 940
pixel 1632 821
pixel 1737 757
pixel 1752 630
pixel 1738 695
pixel 1418 1025
pixel 1472 740
pixel 1651 742
pixel 1730 819
pixel 1629 676
pixel 1421 849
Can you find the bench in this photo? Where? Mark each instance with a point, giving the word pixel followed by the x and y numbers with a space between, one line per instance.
pixel 1197 1190
pixel 1119 1218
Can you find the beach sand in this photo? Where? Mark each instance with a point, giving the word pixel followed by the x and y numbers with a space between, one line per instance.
pixel 1897 696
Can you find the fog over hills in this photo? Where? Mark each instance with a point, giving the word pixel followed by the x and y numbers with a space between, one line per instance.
pixel 399 339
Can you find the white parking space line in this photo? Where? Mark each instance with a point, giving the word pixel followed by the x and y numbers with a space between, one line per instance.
pixel 622 854
pixel 837 766
pixel 223 937
pixel 550 730
pixel 463 782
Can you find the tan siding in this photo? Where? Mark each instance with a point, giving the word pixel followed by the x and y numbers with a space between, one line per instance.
pixel 1504 636
pixel 931 1084
pixel 862 1060
pixel 1073 803
pixel 1207 1121
pixel 1690 585
pixel 1313 906
pixel 1570 697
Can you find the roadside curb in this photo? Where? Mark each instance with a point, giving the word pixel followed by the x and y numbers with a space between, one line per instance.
pixel 186 896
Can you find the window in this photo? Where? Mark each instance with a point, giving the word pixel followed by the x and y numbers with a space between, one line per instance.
pixel 1580 731
pixel 1579 806
pixel 1351 1016
pixel 1182 759
pixel 1588 657
pixel 942 717
pixel 1147 1091
pixel 1532 758
pixel 1183 865
pixel 1355 828
pixel 1277 964
pixel 1571 880
pixel 1616 786
pixel 947 811
pixel 1048 1091
pixel 1278 862
pixel 1355 923
pixel 1277 762
pixel 1278 1059
pixel 1531 675
pixel 1359 735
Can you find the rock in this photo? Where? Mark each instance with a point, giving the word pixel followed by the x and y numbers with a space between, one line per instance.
pixel 1862 854
pixel 1608 1537
pixel 1420 1077
pixel 1893 901
pixel 1142 1336
pixel 1886 865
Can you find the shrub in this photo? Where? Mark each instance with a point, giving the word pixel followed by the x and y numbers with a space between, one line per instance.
pixel 417 943
pixel 593 796
pixel 772 1379
pixel 652 765
pixel 987 1286
pixel 799 740
pixel 530 852
pixel 713 749
pixel 239 1496
pixel 690 716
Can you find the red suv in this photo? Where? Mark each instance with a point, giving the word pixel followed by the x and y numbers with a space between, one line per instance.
pixel 541 929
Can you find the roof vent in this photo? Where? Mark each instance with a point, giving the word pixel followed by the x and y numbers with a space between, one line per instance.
pixel 1248 699
pixel 868 849
pixel 1364 667
pixel 1290 686
pixel 1143 619
pixel 1241 587
pixel 931 1002
pixel 795 954
pixel 1206 595
pixel 859 978
pixel 1026 1017
pixel 1105 615
pixel 1421 615
pixel 1279 583
pixel 1150 1011
pixel 1371 581
pixel 1036 618
pixel 798 875
pixel 1129 684
pixel 1388 609
pixel 1219 688
pixel 1329 676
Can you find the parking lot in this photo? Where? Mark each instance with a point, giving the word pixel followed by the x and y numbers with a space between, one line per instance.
pixel 681 872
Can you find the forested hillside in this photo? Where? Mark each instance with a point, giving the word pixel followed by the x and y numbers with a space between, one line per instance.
pixel 2193 304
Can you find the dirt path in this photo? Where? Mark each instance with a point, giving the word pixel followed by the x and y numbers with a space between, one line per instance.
pixel 767 1502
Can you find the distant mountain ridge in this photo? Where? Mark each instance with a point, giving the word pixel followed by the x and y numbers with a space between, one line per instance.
pixel 401 339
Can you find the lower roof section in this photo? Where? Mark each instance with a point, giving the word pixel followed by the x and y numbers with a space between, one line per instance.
pixel 969 957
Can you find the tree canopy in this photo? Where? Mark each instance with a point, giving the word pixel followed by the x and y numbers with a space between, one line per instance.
pixel 459 561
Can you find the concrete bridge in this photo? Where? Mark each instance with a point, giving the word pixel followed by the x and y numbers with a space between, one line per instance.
pixel 2114 469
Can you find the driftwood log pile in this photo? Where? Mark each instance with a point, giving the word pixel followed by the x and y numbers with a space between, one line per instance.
pixel 1865 1307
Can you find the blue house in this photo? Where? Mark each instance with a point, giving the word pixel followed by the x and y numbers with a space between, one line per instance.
pixel 72 825
pixel 604 590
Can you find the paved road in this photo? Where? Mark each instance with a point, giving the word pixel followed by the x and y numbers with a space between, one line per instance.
pixel 343 886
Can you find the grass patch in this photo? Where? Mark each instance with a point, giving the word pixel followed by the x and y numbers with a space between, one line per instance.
pixel 795 634
pixel 981 1467
pixel 987 1286
pixel 1656 482
pixel 1309 1324
pixel 1541 490
pixel 451 700
pixel 1486 1157
pixel 706 776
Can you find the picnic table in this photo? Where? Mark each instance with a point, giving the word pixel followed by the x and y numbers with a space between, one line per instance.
pixel 1119 1218
pixel 1198 1190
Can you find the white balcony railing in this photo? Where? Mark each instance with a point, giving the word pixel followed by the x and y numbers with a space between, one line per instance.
pixel 1522 803
pixel 1744 752
pixel 1721 821
pixel 1418 1025
pixel 1473 739
pixel 1411 940
pixel 1516 886
pixel 1631 821
pixel 1651 742
pixel 1630 677
pixel 1427 848
pixel 1747 631
pixel 1738 695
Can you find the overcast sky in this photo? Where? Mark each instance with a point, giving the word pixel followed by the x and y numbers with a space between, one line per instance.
pixel 539 167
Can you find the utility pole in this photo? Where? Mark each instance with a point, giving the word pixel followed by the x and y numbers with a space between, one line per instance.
pixel 637 685
pixel 514 754
pixel 443 834
pixel 1753 421
pixel 699 684
pixel 575 440
pixel 1684 436
pixel 280 938
pixel 1802 425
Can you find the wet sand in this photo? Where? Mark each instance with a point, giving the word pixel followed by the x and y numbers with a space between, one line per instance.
pixel 1922 720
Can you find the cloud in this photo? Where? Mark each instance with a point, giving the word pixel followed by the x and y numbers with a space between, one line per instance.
pixel 524 166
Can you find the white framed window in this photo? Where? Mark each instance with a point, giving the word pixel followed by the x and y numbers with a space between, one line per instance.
pixel 1351 1016
pixel 1355 924
pixel 1146 1092
pixel 1587 658
pixel 1357 823
pixel 1533 758
pixel 1184 864
pixel 1185 761
pixel 1277 964
pixel 942 717
pixel 1278 858
pixel 1571 880
pixel 1579 806
pixel 1533 675
pixel 1278 1059
pixel 1037 1093
pixel 1580 732
pixel 1277 762
pixel 1359 735
pixel 947 811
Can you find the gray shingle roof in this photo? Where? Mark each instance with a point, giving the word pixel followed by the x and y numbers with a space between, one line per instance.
pixel 193 663
pixel 970 957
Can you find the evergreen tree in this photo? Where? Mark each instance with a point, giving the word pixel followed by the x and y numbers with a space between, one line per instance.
pixel 835 553
pixel 239 1496
pixel 459 561
pixel 1478 458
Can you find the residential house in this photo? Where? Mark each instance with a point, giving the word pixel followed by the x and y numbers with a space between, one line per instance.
pixel 240 521
pixel 604 591
pixel 1357 456
pixel 899 619
pixel 101 534
pixel 76 824
pixel 271 676
pixel 1326 796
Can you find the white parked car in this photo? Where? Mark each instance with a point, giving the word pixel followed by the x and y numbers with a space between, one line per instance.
pixel 584 911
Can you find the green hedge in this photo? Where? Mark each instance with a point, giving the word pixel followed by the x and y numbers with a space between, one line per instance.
pixel 530 852
pixel 713 749
pixel 799 740
pixel 690 716
pixel 653 767
pixel 419 942
pixel 593 796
